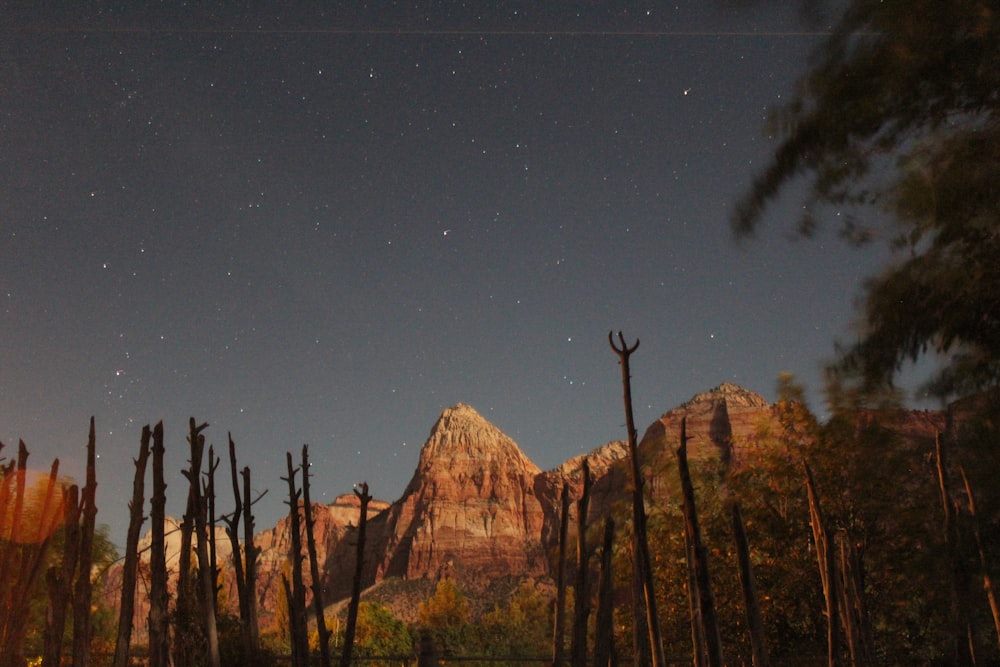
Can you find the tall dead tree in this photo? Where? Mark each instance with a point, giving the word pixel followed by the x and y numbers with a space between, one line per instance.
pixel 82 622
pixel 359 563
pixel 159 637
pixel 245 588
pixel 581 611
pixel 296 592
pixel 24 546
pixel 827 562
pixel 187 631
pixel 559 629
pixel 209 496
pixel 317 588
pixel 130 568
pixel 648 639
pixel 964 630
pixel 59 580
pixel 251 552
pixel 206 570
pixel 853 608
pixel 699 564
pixel 604 636
pixel 984 561
pixel 748 583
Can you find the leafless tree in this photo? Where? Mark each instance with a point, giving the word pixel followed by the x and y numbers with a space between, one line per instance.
pixel 648 638
pixel 317 587
pixel 82 621
pixel 159 636
pixel 698 564
pixel 359 563
pixel 130 568
pixel 296 592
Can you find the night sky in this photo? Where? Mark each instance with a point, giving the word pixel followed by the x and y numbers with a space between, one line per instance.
pixel 326 225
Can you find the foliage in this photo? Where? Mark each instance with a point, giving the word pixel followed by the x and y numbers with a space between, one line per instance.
pixel 446 615
pixel 379 632
pixel 520 628
pixel 878 490
pixel 901 111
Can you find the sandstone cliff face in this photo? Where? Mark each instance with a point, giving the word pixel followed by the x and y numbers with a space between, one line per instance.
pixel 477 509
pixel 470 506
pixel 336 555
pixel 719 423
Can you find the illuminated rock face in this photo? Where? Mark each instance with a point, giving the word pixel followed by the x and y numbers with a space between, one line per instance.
pixel 720 423
pixel 477 509
pixel 470 507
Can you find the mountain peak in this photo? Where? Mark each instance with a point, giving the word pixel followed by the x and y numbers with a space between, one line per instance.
pixel 733 394
pixel 462 433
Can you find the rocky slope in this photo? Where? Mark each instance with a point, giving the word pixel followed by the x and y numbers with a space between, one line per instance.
pixel 477 509
pixel 470 506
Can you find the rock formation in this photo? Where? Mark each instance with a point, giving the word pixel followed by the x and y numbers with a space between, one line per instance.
pixel 470 506
pixel 478 510
pixel 719 423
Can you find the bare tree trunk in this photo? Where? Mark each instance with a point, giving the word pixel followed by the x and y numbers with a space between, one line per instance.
pixel 827 569
pixel 60 580
pixel 604 636
pixel 12 553
pixel 299 659
pixel 82 624
pixel 699 649
pixel 185 604
pixel 317 588
pixel 359 562
pixel 251 552
pixel 984 561
pixel 854 610
pixel 706 599
pixel 131 565
pixel 964 631
pixel 232 522
pixel 244 565
pixel 28 554
pixel 748 582
pixel 206 570
pixel 649 647
pixel 213 561
pixel 559 629
pixel 159 638
pixel 297 609
pixel 581 611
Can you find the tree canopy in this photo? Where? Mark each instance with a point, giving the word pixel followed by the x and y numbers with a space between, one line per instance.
pixel 899 120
